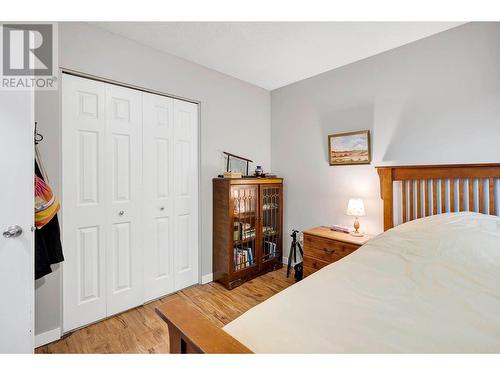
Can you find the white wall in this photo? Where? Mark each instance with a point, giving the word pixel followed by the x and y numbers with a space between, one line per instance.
pixel 433 101
pixel 235 117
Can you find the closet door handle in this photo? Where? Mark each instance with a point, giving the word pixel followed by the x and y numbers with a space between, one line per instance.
pixel 121 213
pixel 13 231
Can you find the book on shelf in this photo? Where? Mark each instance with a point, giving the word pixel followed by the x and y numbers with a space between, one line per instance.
pixel 243 258
pixel 236 230
pixel 243 231
pixel 269 206
pixel 248 234
pixel 269 231
pixel 269 249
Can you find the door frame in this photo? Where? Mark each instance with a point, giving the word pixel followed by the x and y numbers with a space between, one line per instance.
pixel 76 73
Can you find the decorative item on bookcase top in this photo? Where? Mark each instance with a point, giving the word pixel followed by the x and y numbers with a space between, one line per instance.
pixel 232 174
pixel 259 173
pixel 298 268
pixel 228 162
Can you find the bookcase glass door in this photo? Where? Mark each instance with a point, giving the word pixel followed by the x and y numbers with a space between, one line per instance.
pixel 271 222
pixel 244 226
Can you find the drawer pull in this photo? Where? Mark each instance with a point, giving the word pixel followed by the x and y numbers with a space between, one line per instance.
pixel 328 251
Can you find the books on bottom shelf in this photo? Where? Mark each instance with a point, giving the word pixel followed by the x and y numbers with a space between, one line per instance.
pixel 269 249
pixel 243 258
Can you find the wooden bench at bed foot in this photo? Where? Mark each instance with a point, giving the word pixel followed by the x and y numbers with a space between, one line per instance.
pixel 191 332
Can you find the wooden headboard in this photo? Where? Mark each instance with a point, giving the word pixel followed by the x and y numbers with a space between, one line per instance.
pixel 431 189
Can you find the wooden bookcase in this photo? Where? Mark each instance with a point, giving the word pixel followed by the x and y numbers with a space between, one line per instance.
pixel 247 228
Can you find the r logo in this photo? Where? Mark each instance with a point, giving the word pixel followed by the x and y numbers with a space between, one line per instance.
pixel 27 49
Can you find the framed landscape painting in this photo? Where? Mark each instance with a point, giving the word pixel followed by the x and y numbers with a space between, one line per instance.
pixel 349 148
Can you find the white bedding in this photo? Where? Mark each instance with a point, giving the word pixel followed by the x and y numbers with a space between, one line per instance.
pixel 428 286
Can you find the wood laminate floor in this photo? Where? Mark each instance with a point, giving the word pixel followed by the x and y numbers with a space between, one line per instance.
pixel 140 330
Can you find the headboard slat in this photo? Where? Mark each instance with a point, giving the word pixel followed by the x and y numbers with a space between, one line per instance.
pixel 471 195
pixel 451 177
pixel 419 199
pixel 452 195
pixel 443 195
pixel 403 199
pixel 426 202
pixel 434 196
pixel 412 202
pixel 461 191
pixel 491 196
pixel 480 184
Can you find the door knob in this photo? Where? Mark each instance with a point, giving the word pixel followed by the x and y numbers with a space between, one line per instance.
pixel 121 213
pixel 13 231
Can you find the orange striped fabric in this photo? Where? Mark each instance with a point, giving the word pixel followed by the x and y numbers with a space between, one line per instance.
pixel 46 203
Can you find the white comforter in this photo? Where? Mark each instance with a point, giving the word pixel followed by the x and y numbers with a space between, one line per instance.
pixel 428 286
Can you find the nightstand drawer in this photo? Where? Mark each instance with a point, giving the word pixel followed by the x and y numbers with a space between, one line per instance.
pixel 326 249
pixel 313 264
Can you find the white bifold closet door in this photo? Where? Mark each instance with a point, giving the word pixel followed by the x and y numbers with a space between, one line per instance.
pixel 185 194
pixel 170 129
pixel 123 189
pixel 158 130
pixel 84 206
pixel 130 203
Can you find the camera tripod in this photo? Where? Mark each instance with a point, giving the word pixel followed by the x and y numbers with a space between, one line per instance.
pixel 293 252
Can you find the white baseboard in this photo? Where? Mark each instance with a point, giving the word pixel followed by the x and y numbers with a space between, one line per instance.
pixel 47 337
pixel 205 279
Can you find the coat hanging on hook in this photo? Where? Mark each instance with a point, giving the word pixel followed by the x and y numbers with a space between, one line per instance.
pixel 48 249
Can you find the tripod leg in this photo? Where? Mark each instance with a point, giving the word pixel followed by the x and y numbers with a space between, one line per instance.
pixel 300 249
pixel 289 261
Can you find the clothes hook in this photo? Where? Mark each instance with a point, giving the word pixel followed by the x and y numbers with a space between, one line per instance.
pixel 38 136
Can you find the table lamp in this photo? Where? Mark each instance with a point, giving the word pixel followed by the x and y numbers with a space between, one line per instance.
pixel 356 208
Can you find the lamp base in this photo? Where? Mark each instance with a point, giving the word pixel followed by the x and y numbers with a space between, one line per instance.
pixel 356 227
pixel 357 234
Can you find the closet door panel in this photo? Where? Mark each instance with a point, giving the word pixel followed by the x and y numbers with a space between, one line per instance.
pixel 158 195
pixel 124 261
pixel 185 193
pixel 83 205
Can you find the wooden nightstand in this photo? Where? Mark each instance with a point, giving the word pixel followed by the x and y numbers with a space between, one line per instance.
pixel 323 246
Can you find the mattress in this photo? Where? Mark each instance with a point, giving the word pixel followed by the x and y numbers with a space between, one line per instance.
pixel 431 285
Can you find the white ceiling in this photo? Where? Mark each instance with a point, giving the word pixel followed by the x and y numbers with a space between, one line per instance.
pixel 275 54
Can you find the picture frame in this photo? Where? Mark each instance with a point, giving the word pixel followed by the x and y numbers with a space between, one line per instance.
pixel 351 148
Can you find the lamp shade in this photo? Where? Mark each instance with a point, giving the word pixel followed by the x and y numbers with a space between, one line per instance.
pixel 356 207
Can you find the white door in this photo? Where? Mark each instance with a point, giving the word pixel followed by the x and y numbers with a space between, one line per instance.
pixel 123 191
pixel 84 205
pixel 16 202
pixel 158 129
pixel 185 194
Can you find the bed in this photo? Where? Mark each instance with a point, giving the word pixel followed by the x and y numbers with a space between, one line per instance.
pixel 428 285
